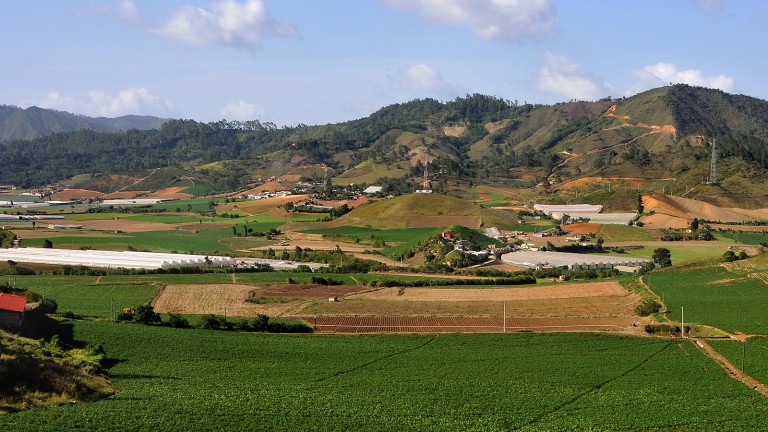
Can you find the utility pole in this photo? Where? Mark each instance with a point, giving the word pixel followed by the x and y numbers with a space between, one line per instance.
pixel 743 354
pixel 682 322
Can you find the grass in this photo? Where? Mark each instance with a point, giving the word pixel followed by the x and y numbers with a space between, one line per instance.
pixel 367 234
pixel 745 237
pixel 83 295
pixel 754 355
pixel 623 233
pixel 194 187
pixel 172 379
pixel 681 252
pixel 726 297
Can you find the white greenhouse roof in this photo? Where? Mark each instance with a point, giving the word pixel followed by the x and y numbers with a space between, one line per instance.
pixel 111 259
pixel 568 208
pixel 537 259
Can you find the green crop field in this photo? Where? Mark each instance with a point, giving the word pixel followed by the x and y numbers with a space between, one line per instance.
pixel 745 237
pixel 681 251
pixel 83 295
pixel 200 242
pixel 173 379
pixel 622 233
pixel 729 296
pixel 754 355
pixel 364 234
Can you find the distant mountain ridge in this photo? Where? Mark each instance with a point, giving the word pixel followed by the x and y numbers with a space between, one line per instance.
pixel 34 122
pixel 663 134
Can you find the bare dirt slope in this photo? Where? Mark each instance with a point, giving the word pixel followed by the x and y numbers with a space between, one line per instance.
pixel 685 208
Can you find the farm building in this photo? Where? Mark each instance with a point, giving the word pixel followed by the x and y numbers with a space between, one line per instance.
pixel 372 190
pixel 599 218
pixel 112 259
pixel 548 209
pixel 11 311
pixel 572 261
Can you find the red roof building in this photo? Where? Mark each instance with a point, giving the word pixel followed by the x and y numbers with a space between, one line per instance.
pixel 11 311
pixel 12 302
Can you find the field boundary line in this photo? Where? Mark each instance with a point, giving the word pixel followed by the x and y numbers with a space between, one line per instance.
pixel 594 389
pixel 395 354
pixel 731 369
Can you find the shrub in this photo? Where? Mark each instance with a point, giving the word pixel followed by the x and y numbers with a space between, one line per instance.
pixel 177 321
pixel 145 314
pixel 648 307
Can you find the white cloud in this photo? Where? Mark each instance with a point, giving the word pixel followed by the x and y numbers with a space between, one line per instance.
pixel 665 73
pixel 227 23
pixel 420 80
pixel 130 101
pixel 240 111
pixel 511 20
pixel 563 78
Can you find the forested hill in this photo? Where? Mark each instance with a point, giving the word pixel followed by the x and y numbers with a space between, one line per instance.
pixel 34 122
pixel 661 133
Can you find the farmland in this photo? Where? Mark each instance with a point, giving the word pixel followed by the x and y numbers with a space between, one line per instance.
pixel 754 355
pixel 731 296
pixel 195 380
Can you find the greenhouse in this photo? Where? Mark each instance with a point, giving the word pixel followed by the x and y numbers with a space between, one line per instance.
pixel 112 259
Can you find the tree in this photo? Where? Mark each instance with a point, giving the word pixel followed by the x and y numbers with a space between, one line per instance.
pixel 640 204
pixel 145 314
pixel 662 257
pixel 694 224
pixel 47 244
pixel 600 242
pixel 729 256
pixel 284 255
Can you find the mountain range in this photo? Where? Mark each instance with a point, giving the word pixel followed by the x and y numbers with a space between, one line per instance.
pixel 663 136
pixel 34 122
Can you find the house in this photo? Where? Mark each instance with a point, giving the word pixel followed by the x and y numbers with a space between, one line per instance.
pixel 448 235
pixel 11 311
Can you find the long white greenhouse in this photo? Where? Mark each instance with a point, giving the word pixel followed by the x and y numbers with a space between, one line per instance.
pixel 112 259
pixel 572 261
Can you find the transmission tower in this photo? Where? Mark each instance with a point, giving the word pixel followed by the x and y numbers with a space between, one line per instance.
pixel 713 167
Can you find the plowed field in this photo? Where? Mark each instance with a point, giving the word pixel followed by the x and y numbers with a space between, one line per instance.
pixel 601 306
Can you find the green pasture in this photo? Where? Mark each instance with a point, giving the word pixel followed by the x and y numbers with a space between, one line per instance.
pixel 681 252
pixel 744 237
pixel 367 234
pixel 194 187
pixel 728 298
pixel 174 379
pixel 88 296
pixel 754 355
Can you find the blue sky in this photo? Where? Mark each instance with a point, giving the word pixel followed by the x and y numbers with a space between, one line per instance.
pixel 326 61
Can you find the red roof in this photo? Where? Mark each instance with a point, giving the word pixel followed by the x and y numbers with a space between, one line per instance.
pixel 12 302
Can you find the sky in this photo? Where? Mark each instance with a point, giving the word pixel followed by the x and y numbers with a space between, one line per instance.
pixel 326 61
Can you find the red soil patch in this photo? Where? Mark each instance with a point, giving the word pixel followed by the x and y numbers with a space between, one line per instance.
pixel 125 225
pixel 270 186
pixel 171 192
pixel 350 203
pixel 582 228
pixel 73 194
pixel 124 194
pixel 589 181
pixel 686 208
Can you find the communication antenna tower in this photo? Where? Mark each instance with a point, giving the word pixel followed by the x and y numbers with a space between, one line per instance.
pixel 425 183
pixel 713 167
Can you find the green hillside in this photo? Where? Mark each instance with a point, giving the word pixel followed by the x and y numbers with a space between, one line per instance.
pixel 663 133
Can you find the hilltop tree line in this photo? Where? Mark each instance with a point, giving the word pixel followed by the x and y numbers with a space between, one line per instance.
pixel 738 122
